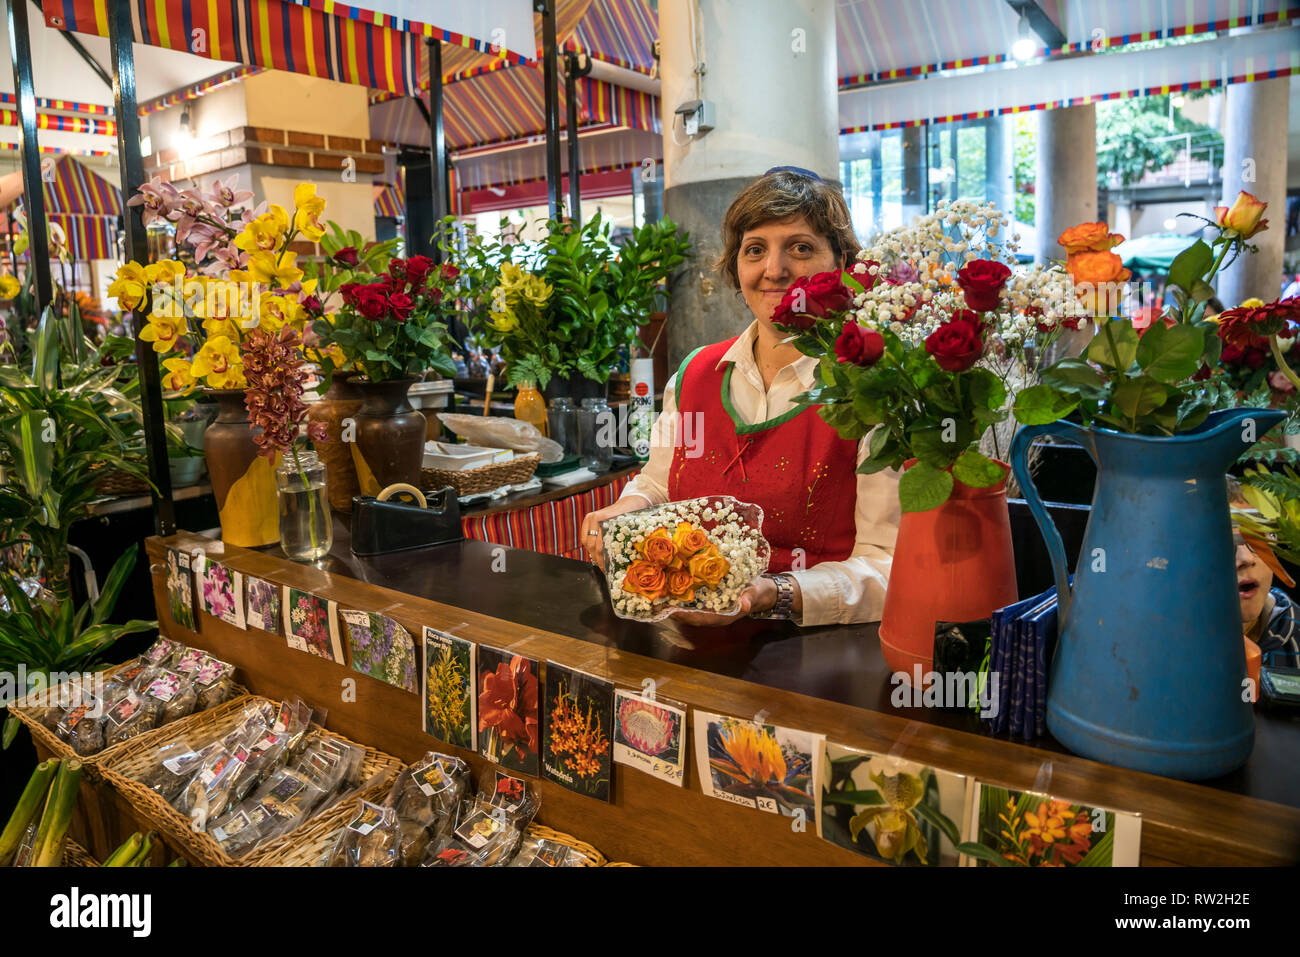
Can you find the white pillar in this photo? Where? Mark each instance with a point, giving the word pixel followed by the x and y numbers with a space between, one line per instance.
pixel 768 69
pixel 1066 177
pixel 1254 160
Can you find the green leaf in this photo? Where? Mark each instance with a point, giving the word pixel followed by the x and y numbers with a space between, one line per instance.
pixel 1137 397
pixel 941 821
pixel 928 443
pixel 1125 344
pixel 1190 265
pixel 1073 374
pixel 1170 353
pixel 986 389
pixel 976 470
pixel 982 853
pixel 923 487
pixel 1042 404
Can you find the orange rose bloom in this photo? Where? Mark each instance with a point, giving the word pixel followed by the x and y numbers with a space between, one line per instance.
pixel 646 579
pixel 657 547
pixel 1103 275
pixel 681 585
pixel 1088 237
pixel 708 567
pixel 689 539
pixel 1244 215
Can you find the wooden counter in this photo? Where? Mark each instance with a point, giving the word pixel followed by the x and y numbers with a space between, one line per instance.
pixel 827 680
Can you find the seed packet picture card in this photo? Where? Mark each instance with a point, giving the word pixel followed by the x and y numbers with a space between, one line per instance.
pixel 508 718
pixel 180 589
pixel 263 605
pixel 449 699
pixel 221 592
pixel 1027 829
pixel 758 765
pixel 891 810
pixel 310 624
pixel 381 648
pixel 650 736
pixel 576 731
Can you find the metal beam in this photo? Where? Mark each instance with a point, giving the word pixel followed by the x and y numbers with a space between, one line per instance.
pixel 437 140
pixel 554 183
pixel 1040 22
pixel 576 66
pixel 38 239
pixel 90 60
pixel 130 162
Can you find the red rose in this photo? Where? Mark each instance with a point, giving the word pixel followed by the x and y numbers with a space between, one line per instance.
pixel 818 296
pixel 957 344
pixel 400 305
pixel 347 256
pixel 862 347
pixel 981 280
pixel 349 292
pixel 372 303
pixel 397 269
pixel 417 270
pixel 435 295
pixel 312 305
pixel 449 272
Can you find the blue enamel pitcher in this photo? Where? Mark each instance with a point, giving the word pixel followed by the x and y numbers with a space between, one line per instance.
pixel 1149 666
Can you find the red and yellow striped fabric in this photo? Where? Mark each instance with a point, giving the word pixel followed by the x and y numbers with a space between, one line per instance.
pixel 89 237
pixel 390 202
pixel 76 191
pixel 275 34
pixel 552 527
pixel 65 124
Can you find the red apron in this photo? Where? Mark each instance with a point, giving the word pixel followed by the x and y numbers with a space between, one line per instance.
pixel 795 466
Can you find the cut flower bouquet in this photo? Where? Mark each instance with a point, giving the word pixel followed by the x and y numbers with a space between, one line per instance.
pixel 698 555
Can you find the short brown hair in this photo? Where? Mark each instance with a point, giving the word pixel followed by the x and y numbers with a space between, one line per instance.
pixel 780 195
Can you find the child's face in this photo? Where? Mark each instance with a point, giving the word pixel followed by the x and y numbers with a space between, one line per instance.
pixel 1254 579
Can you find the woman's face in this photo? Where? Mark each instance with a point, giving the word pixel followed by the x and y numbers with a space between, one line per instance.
pixel 773 255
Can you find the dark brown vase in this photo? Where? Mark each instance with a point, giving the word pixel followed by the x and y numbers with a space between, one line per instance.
pixel 341 401
pixel 390 437
pixel 243 482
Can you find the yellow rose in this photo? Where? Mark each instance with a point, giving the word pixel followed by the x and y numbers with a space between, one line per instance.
pixel 10 287
pixel 709 567
pixel 1243 217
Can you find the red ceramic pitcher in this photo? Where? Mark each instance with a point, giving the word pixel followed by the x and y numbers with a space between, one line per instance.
pixel 951 563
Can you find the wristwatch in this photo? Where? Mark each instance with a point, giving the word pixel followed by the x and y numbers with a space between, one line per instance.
pixel 784 607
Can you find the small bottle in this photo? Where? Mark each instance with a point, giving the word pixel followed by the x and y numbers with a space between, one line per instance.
pixel 597 434
pixel 530 406
pixel 562 418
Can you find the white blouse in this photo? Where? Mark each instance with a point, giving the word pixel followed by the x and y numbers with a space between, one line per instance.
pixel 833 592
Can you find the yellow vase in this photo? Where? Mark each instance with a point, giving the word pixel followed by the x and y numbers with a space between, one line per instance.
pixel 243 482
pixel 530 406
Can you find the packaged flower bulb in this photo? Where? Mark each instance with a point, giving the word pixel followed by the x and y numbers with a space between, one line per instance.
pixel 371 839
pixel 698 554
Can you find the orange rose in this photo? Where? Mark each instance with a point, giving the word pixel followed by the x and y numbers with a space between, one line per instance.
pixel 681 584
pixel 708 567
pixel 689 539
pixel 1102 276
pixel 645 579
pixel 1088 237
pixel 1243 217
pixel 657 547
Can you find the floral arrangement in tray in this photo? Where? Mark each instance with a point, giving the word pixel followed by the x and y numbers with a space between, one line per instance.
pixel 697 554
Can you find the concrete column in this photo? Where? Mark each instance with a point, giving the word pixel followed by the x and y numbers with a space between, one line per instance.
pixel 916 172
pixel 1254 147
pixel 999 166
pixel 769 72
pixel 1066 178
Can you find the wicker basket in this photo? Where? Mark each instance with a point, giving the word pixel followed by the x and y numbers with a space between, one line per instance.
pixel 123 767
pixel 74 855
pixel 485 478
pixel 111 481
pixel 312 842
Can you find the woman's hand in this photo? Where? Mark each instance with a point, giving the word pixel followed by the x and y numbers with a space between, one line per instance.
pixel 593 543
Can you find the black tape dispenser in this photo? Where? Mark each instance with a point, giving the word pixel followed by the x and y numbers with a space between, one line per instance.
pixel 380 526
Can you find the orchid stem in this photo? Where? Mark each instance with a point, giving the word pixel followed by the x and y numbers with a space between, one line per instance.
pixel 311 499
pixel 1282 365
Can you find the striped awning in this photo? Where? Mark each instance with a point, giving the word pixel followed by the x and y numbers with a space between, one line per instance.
pixel 314 37
pixel 76 191
pixel 883 39
pixel 390 200
pixel 89 237
pixel 602 151
pixel 621 32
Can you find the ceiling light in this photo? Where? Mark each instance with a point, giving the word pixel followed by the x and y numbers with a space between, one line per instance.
pixel 1024 47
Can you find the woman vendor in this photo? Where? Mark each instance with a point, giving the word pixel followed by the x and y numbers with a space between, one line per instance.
pixel 832 531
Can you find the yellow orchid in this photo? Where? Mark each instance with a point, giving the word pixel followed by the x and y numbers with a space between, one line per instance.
pixel 277 311
pixel 523 286
pixel 164 270
pixel 264 232
pixel 179 376
pixel 218 363
pixel 267 268
pixel 129 286
pixel 504 321
pixel 10 287
pixel 162 331
pixel 308 207
pixel 222 299
pixel 221 327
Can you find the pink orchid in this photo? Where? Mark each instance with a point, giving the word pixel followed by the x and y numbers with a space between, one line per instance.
pixel 158 199
pixel 225 195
